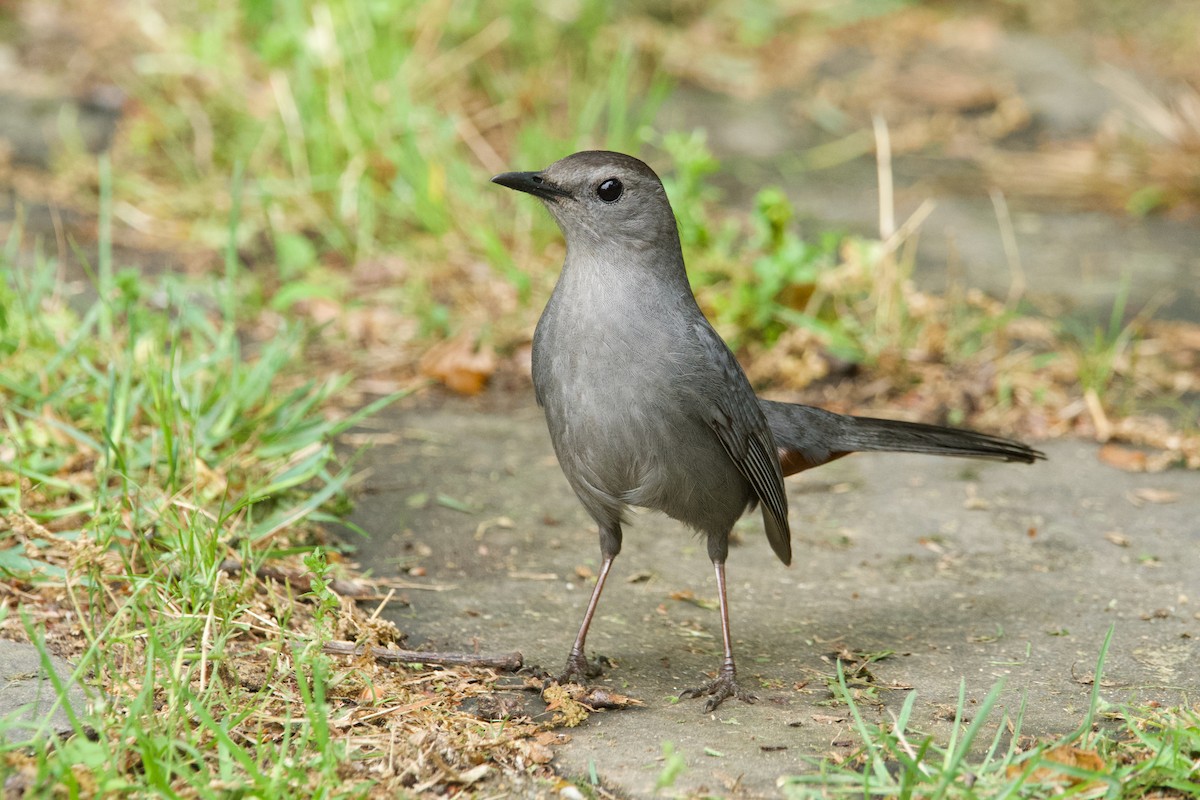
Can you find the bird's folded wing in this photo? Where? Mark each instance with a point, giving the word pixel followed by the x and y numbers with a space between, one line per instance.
pixel 740 426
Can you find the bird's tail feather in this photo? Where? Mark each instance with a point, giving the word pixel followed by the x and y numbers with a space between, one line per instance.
pixel 867 433
pixel 808 437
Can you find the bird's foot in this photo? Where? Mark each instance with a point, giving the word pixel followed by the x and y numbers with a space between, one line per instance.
pixel 724 687
pixel 578 670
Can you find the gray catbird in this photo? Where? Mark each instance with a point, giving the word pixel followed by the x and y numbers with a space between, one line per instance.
pixel 647 406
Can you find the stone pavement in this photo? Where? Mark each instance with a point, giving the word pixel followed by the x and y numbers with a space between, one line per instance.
pixel 27 695
pixel 970 572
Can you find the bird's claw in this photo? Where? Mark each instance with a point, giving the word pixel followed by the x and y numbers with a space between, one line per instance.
pixel 724 687
pixel 578 670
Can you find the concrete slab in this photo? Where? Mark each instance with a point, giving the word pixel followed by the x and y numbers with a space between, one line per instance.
pixel 971 572
pixel 28 701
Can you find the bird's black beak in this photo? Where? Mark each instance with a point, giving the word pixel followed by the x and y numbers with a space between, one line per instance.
pixel 531 183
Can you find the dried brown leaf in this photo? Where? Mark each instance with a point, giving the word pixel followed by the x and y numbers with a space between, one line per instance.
pixel 1068 756
pixel 1124 458
pixel 459 365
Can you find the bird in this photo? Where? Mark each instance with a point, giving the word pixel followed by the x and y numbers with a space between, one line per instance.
pixel 647 406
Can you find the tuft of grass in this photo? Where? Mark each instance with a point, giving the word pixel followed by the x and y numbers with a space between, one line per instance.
pixel 1156 752
pixel 152 459
pixel 1097 348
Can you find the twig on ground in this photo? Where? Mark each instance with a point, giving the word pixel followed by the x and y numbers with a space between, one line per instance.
pixel 510 662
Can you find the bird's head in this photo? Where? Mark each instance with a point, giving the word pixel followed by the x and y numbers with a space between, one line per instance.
pixel 611 199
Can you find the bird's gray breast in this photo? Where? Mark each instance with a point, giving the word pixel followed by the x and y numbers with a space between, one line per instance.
pixel 623 387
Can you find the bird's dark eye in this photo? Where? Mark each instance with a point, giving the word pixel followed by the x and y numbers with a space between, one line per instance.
pixel 610 190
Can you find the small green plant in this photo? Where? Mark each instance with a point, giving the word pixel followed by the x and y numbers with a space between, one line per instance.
pixel 692 194
pixel 673 766
pixel 758 282
pixel 1098 349
pixel 778 291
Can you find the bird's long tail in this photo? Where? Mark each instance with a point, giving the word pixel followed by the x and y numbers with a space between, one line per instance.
pixel 808 437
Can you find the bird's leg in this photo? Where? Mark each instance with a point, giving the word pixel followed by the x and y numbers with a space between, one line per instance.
pixel 578 669
pixel 725 685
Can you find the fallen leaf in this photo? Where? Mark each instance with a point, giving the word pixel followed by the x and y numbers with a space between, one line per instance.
pixel 1117 538
pixel 1067 756
pixel 1124 458
pixel 459 365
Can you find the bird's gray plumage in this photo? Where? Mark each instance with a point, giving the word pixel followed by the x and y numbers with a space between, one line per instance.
pixel 645 403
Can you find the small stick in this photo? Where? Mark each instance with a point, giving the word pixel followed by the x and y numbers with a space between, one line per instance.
pixel 510 662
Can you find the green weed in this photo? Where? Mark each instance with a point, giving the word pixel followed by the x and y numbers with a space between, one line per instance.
pixel 1156 751
pixel 1099 349
pixel 152 459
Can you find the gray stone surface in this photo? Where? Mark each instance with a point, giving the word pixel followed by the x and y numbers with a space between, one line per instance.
pixel 970 572
pixel 28 701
